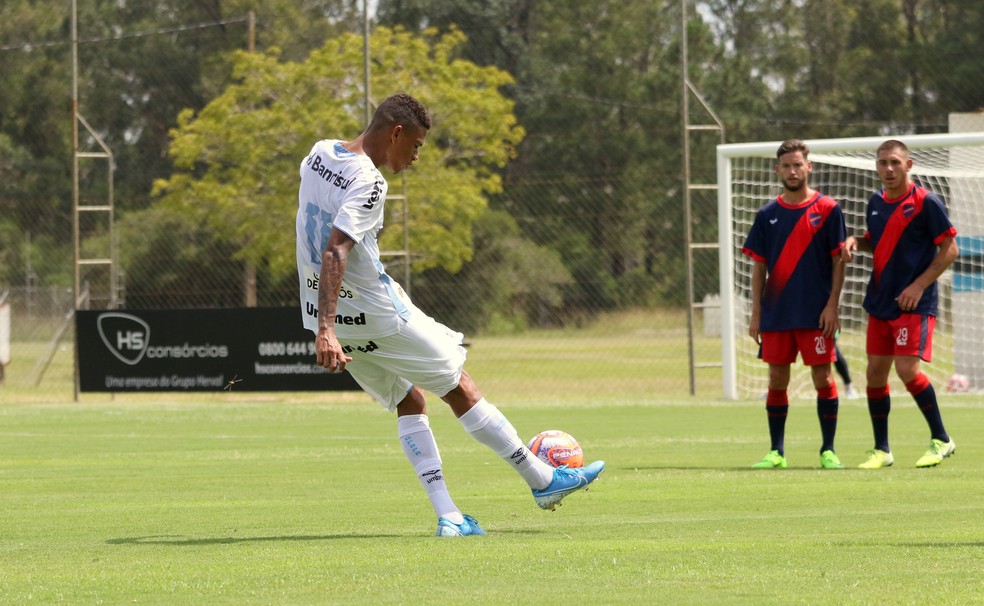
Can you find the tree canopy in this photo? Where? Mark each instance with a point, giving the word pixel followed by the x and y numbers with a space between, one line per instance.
pixel 236 161
pixel 565 116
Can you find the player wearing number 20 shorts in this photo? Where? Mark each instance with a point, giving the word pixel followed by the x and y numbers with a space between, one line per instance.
pixel 795 243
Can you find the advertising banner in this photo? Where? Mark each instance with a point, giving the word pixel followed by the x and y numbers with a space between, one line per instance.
pixel 243 349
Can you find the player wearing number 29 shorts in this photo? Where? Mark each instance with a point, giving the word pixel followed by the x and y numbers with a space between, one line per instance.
pixel 365 323
pixel 912 243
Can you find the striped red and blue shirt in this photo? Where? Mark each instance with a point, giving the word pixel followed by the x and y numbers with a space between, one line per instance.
pixel 798 245
pixel 905 233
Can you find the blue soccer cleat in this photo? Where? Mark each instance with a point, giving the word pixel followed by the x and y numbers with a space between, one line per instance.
pixel 470 527
pixel 565 481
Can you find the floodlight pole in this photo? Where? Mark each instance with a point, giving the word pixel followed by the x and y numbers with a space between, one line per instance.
pixel 80 295
pixel 249 267
pixel 75 179
pixel 75 145
pixel 402 196
pixel 689 187
pixel 365 59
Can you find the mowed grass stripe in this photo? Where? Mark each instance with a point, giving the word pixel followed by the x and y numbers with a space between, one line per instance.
pixel 290 501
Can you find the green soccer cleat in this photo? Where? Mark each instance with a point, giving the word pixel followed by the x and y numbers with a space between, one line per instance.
pixel 877 459
pixel 771 460
pixel 938 450
pixel 829 460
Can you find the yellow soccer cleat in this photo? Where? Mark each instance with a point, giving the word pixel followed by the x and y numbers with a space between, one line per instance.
pixel 938 450
pixel 877 459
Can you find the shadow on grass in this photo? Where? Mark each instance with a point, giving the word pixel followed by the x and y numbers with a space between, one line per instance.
pixel 943 544
pixel 183 541
pixel 747 469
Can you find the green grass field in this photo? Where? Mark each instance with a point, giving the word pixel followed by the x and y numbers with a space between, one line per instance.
pixel 237 499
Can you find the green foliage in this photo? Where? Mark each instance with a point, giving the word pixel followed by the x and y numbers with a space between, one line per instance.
pixel 139 66
pixel 166 258
pixel 594 86
pixel 824 68
pixel 236 160
pixel 599 106
pixel 35 235
pixel 510 284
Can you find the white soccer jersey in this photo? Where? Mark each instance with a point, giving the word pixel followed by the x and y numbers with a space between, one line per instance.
pixel 343 190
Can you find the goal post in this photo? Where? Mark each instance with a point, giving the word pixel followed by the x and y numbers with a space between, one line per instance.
pixel 951 165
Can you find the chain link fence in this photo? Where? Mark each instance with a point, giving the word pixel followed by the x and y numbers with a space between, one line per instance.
pixel 578 283
pixel 558 298
pixel 561 341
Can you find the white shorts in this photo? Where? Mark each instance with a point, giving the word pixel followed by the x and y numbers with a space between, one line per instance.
pixel 424 353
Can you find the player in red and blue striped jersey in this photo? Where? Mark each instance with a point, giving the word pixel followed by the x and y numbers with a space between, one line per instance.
pixel 795 242
pixel 912 242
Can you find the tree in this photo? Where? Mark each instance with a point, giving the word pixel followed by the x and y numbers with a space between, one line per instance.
pixel 140 63
pixel 509 285
pixel 236 161
pixel 946 43
pixel 597 90
pixel 837 68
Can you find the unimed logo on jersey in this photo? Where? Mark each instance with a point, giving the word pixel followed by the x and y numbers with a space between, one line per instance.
pixel 126 336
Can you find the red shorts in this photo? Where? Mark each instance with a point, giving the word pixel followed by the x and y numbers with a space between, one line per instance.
pixel 781 346
pixel 906 335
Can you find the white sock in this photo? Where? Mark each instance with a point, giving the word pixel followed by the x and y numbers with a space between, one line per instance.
pixel 487 425
pixel 420 448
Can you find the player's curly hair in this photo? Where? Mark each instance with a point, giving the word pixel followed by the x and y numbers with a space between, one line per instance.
pixel 401 108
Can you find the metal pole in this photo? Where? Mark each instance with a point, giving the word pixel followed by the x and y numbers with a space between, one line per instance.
pixel 687 219
pixel 251 28
pixel 76 287
pixel 365 58
pixel 249 269
pixel 75 147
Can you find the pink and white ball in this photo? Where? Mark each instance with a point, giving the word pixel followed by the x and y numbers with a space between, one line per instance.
pixel 958 383
pixel 555 447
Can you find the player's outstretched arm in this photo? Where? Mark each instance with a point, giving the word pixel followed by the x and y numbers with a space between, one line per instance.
pixel 855 244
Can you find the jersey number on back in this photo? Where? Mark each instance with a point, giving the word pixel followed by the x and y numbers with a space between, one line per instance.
pixel 314 215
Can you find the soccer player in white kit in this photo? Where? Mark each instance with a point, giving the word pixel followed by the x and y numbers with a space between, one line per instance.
pixel 366 324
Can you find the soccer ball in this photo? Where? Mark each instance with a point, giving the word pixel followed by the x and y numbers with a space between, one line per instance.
pixel 555 447
pixel 958 383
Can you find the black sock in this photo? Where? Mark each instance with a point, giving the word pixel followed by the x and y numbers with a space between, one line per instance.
pixel 926 399
pixel 878 408
pixel 827 412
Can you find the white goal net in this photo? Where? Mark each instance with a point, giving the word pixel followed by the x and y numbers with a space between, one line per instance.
pixel 950 165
